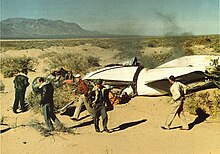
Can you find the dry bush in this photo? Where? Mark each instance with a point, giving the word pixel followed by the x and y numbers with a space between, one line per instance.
pixel 40 127
pixel 62 96
pixel 11 65
pixel 152 43
pixel 47 54
pixel 33 101
pixel 71 61
pixel 207 101
pixel 93 61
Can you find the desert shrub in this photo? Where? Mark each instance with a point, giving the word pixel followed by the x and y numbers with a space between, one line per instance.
pixel 38 44
pixel 40 127
pixel 93 61
pixel 33 101
pixel 47 54
pixel 189 51
pixel 62 96
pixel 188 43
pixel 147 61
pixel 11 65
pixel 207 101
pixel 152 43
pixel 73 61
pixel 217 48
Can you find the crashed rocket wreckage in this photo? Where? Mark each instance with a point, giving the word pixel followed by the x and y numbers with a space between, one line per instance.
pixel 137 80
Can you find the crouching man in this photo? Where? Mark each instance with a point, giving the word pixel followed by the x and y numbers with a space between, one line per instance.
pixel 47 104
pixel 99 103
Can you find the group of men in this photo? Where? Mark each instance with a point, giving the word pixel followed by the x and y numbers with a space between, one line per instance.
pixel 96 107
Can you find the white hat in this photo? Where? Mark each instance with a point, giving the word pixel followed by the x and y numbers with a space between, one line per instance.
pixel 77 76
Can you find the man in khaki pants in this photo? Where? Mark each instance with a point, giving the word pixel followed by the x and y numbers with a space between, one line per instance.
pixel 177 90
pixel 82 89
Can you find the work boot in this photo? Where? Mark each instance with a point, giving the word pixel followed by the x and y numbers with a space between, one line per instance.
pixel 15 111
pixel 165 128
pixel 184 128
pixel 74 119
pixel 97 130
pixel 60 127
pixel 107 130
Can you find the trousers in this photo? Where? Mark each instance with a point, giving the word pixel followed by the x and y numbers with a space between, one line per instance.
pixel 101 111
pixel 49 115
pixel 19 96
pixel 78 105
pixel 177 109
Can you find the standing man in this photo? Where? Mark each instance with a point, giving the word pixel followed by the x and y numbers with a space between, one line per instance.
pixel 47 103
pixel 20 85
pixel 177 90
pixel 99 105
pixel 83 90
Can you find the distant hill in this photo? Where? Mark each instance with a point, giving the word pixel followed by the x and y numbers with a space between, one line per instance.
pixel 43 28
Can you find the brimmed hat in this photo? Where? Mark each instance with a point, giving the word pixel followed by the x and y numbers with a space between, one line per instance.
pixel 77 76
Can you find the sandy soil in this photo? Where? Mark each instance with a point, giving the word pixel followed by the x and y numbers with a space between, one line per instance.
pixel 135 125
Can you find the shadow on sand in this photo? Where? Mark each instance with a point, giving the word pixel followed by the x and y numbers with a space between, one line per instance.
pixel 127 125
pixel 87 123
pixel 70 111
pixel 201 117
pixel 4 130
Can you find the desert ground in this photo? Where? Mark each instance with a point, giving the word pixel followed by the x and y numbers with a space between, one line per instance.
pixel 135 125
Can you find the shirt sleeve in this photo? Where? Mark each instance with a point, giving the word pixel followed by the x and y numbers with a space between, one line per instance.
pixel 43 95
pixel 26 83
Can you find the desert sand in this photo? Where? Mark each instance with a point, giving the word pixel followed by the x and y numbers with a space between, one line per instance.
pixel 135 125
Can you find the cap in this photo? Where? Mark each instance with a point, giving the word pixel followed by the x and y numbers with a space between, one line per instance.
pixel 172 78
pixel 99 81
pixel 77 76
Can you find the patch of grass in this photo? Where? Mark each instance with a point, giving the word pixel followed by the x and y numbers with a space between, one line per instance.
pixel 40 127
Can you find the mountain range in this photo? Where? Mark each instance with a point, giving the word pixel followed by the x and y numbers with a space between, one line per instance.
pixel 43 28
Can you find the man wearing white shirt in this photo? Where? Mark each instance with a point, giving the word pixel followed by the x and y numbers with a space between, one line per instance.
pixel 177 90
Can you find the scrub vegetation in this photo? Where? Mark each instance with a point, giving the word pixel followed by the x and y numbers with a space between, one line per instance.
pixel 126 48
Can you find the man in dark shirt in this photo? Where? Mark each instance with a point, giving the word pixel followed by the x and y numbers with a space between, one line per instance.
pixel 20 85
pixel 47 103
pixel 99 105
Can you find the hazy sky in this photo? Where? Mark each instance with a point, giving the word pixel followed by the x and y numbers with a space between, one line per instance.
pixel 142 17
